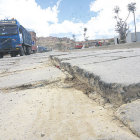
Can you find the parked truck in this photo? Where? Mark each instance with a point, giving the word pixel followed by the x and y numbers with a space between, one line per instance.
pixel 14 39
pixel 34 45
pixel 78 45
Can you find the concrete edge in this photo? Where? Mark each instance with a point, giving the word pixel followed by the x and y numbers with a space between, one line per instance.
pixel 125 115
pixel 117 94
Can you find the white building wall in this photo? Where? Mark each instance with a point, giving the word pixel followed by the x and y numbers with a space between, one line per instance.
pixel 131 37
pixel 115 39
pixel 128 38
pixel 138 36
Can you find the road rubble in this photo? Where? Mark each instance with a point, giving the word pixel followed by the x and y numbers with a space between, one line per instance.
pixel 39 101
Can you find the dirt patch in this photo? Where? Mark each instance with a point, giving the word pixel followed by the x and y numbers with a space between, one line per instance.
pixel 57 111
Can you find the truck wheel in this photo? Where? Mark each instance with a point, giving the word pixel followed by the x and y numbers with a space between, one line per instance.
pixel 28 52
pixel 13 54
pixel 1 55
pixel 21 52
pixel 34 51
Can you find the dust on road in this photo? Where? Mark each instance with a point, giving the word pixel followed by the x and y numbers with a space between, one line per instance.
pixel 54 110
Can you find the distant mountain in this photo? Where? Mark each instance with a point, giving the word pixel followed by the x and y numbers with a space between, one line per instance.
pixel 55 43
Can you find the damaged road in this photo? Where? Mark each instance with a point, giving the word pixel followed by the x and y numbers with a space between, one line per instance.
pixel 39 101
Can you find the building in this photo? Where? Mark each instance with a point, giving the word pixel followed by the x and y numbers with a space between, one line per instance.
pixel 117 40
pixel 131 37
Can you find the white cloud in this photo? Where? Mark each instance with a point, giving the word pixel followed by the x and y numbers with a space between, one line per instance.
pixel 67 27
pixel 103 24
pixel 32 16
pixel 28 13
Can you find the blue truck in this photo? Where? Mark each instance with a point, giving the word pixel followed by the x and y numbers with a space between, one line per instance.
pixel 14 39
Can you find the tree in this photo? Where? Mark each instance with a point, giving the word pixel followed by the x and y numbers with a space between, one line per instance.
pixel 85 31
pixel 121 27
pixel 117 10
pixel 85 38
pixel 74 40
pixel 132 8
pixel 73 36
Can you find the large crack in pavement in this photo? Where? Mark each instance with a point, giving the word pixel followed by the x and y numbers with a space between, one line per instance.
pixel 59 110
pixel 55 106
pixel 102 92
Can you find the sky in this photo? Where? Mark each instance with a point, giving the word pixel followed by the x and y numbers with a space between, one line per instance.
pixel 63 18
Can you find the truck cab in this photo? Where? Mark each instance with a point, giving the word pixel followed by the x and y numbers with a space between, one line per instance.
pixel 78 45
pixel 14 39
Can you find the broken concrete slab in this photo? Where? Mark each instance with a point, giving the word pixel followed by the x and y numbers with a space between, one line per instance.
pixel 115 74
pixel 110 65
pixel 129 114
pixel 27 70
